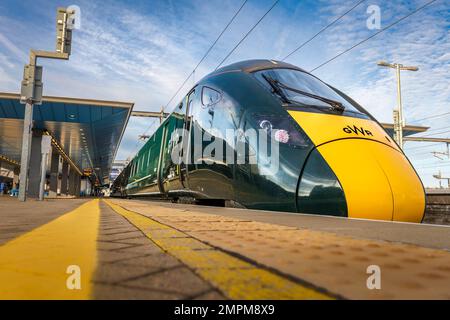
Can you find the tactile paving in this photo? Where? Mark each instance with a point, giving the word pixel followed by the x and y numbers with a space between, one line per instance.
pixel 233 276
pixel 327 260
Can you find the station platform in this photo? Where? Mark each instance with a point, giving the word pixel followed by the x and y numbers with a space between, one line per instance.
pixel 133 249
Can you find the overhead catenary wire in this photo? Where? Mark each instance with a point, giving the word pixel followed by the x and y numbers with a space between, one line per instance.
pixel 412 151
pixel 428 134
pixel 322 30
pixel 424 145
pixel 436 129
pixel 150 127
pixel 433 167
pixel 433 134
pixel 431 117
pixel 430 145
pixel 428 161
pixel 135 149
pixel 198 64
pixel 207 52
pixel 373 35
pixel 247 34
pixel 434 170
pixel 428 154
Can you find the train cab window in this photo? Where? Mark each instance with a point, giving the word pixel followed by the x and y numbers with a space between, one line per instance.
pixel 190 101
pixel 189 109
pixel 210 96
pixel 297 87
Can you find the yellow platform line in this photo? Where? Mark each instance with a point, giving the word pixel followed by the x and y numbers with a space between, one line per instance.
pixel 35 265
pixel 234 277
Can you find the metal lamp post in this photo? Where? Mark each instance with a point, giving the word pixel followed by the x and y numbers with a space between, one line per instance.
pixel 31 87
pixel 399 121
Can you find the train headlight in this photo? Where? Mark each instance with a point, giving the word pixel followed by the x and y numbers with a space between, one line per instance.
pixel 281 136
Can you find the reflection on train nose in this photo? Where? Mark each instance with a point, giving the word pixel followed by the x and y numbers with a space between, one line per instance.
pixel 319 190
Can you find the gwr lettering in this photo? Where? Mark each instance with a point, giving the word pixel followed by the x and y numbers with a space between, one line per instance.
pixel 357 130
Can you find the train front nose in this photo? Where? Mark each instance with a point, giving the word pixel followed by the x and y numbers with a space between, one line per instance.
pixel 376 180
pixel 357 170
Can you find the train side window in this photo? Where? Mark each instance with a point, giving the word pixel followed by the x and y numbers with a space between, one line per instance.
pixel 210 96
pixel 149 156
pixel 143 160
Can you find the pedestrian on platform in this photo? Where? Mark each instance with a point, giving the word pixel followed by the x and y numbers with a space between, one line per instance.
pixel 2 188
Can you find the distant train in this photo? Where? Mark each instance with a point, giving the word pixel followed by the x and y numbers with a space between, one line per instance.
pixel 333 157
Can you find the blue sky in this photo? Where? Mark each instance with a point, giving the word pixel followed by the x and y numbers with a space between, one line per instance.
pixel 141 51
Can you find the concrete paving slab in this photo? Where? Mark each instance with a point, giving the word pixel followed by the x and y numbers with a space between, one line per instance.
pixel 139 269
pixel 17 218
pixel 180 280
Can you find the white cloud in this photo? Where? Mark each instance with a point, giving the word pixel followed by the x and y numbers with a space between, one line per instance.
pixel 6 43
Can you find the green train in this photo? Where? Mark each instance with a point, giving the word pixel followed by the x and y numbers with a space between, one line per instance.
pixel 317 151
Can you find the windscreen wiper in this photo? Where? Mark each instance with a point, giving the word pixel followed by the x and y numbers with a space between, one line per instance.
pixel 276 89
pixel 336 105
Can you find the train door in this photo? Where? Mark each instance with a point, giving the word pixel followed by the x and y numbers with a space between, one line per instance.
pixel 185 154
pixel 172 171
pixel 161 163
pixel 168 170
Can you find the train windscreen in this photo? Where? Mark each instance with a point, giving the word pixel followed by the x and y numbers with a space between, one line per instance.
pixel 296 87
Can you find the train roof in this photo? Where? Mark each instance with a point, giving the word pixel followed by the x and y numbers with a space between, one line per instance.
pixel 254 65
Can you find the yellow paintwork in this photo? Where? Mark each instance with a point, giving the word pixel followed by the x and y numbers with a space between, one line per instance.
pixel 377 179
pixel 408 193
pixel 322 128
pixel 34 265
pixel 365 185
pixel 236 278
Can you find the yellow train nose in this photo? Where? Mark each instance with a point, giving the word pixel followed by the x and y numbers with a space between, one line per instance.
pixel 378 181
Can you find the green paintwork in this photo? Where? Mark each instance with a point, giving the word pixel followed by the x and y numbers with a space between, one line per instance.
pixel 319 190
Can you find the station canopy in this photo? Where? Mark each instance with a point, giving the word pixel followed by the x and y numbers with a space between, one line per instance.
pixel 408 130
pixel 88 131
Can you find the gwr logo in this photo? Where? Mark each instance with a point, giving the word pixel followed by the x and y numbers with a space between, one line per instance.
pixel 357 130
